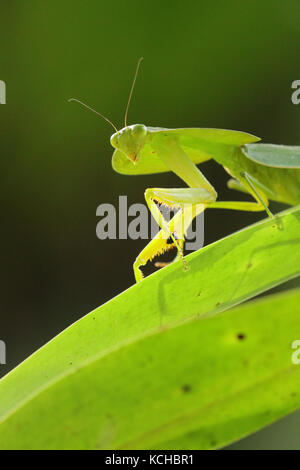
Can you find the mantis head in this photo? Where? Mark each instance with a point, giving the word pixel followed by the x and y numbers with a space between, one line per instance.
pixel 130 140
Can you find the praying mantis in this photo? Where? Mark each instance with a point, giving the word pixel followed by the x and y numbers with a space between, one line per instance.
pixel 265 171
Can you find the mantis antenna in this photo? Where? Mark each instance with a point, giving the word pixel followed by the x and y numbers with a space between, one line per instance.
pixel 132 87
pixel 94 111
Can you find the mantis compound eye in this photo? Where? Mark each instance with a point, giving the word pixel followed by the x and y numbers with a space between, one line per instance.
pixel 139 131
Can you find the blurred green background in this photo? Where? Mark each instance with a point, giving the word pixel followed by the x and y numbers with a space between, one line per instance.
pixel 226 64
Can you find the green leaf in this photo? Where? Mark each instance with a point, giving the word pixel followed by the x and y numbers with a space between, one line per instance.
pixel 200 384
pixel 131 374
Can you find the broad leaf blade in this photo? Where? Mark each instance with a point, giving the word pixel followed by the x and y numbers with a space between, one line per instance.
pixel 201 384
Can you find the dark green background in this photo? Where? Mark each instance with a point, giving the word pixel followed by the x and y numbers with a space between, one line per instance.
pixel 227 64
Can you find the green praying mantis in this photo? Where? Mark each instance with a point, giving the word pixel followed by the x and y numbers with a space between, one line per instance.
pixel 265 171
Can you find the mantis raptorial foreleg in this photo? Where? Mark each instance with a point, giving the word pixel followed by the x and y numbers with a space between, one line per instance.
pixel 157 246
pixel 190 202
pixel 178 198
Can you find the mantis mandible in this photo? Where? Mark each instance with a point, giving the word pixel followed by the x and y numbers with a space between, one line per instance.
pixel 265 171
